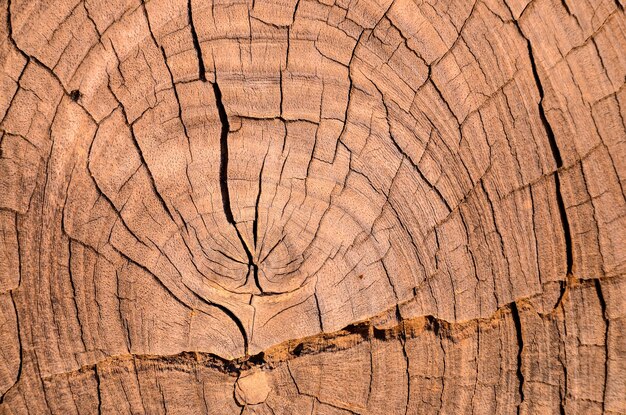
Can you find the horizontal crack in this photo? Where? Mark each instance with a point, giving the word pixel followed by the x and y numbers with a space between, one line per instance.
pixel 346 338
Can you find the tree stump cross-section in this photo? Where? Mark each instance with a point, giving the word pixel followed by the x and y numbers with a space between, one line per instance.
pixel 312 207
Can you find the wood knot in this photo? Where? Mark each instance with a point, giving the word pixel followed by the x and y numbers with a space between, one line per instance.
pixel 252 388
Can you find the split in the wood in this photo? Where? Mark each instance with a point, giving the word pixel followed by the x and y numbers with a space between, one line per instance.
pixel 253 267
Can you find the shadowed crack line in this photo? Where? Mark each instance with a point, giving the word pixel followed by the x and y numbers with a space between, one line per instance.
pixel 557 159
pixel 605 318
pixel 343 339
pixel 556 152
pixel 348 337
pixel 224 185
pixel 255 223
pixel 520 342
pixel 98 388
pixel 196 44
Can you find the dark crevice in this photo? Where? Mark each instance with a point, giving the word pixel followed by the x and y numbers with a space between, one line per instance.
pixel 255 223
pixel 562 291
pixel 542 114
pixel 598 287
pixel 98 390
pixel 556 153
pixel 520 342
pixel 223 154
pixel 218 306
pixel 252 266
pixel 330 342
pixel 10 30
pixel 566 7
pixel 233 317
pixel 319 311
pixel 196 44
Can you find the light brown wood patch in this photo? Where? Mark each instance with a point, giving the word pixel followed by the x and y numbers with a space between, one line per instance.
pixel 320 207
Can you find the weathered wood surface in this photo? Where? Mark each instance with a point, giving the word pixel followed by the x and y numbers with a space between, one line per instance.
pixel 303 207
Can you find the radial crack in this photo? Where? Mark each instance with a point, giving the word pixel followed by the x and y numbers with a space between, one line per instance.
pixel 224 185
pixel 196 44
pixel 556 152
pixel 520 342
pixel 557 159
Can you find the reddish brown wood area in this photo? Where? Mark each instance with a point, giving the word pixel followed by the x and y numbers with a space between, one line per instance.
pixel 320 207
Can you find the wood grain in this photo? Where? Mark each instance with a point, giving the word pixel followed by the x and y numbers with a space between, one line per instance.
pixel 312 207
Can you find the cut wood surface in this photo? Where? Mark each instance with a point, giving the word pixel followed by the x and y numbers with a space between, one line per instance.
pixel 312 207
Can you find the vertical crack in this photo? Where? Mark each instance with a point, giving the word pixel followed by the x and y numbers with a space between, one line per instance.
pixel 224 185
pixel 223 154
pixel 319 310
pixel 556 152
pixel 520 343
pixel 606 339
pixel 98 390
pixel 255 223
pixel 196 43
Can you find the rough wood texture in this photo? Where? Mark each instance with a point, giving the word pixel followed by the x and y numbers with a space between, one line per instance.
pixel 312 207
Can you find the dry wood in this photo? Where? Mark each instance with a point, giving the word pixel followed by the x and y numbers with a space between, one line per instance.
pixel 312 207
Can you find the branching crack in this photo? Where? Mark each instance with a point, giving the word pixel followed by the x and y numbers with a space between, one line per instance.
pixel 252 266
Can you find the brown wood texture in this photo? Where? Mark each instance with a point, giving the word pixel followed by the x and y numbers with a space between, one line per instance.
pixel 312 207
